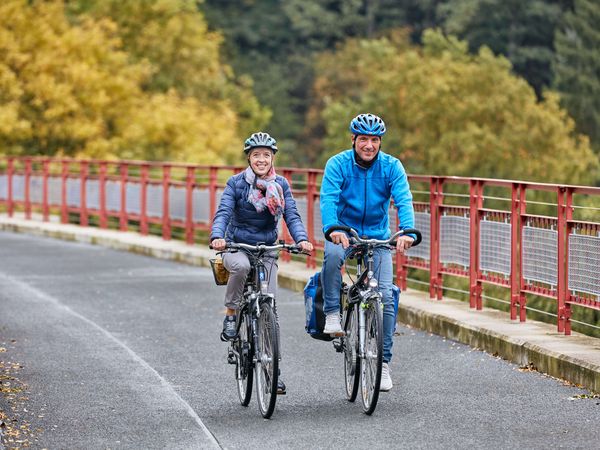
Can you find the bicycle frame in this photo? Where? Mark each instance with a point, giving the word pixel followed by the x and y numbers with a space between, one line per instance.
pixel 367 296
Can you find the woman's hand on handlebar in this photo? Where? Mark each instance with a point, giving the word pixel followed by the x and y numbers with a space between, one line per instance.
pixel 404 243
pixel 218 244
pixel 339 237
pixel 305 246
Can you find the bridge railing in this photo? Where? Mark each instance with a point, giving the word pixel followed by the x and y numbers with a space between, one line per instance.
pixel 528 238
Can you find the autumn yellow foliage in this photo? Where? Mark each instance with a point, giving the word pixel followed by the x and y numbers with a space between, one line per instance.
pixel 70 86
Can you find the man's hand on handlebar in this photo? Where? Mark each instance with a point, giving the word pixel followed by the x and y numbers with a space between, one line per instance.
pixel 218 244
pixel 339 237
pixel 403 243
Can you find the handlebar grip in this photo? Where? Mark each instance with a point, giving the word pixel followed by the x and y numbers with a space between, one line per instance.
pixel 336 228
pixel 416 233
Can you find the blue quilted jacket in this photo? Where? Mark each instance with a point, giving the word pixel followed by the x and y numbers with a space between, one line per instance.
pixel 237 220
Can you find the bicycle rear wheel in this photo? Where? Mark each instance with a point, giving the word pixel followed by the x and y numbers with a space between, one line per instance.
pixel 350 346
pixel 371 363
pixel 267 360
pixel 243 368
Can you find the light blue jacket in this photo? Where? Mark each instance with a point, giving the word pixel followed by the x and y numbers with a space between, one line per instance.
pixel 360 198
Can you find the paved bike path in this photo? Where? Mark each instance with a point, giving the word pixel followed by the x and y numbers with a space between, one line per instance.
pixel 122 351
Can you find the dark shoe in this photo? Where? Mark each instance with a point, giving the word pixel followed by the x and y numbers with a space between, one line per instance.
pixel 229 328
pixel 280 387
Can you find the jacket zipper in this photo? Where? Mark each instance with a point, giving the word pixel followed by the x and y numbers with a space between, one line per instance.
pixel 364 206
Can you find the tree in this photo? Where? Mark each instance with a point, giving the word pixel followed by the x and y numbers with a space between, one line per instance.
pixel 173 37
pixel 521 31
pixel 577 66
pixel 450 112
pixel 70 89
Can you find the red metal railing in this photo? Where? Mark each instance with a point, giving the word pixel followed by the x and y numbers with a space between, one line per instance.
pixel 529 238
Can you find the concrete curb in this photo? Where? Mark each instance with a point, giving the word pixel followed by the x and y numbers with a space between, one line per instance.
pixel 537 345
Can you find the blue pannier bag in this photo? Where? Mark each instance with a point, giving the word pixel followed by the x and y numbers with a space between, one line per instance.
pixel 396 297
pixel 313 304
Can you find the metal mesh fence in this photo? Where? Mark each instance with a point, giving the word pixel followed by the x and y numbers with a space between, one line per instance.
pixel 177 203
pixel 3 187
pixel 36 189
pixel 495 247
pixel 454 240
pixel 540 255
pixel 133 199
pixel 92 197
pixel 584 264
pixel 113 195
pixel 422 223
pixel 200 205
pixel 18 186
pixel 154 204
pixel 73 192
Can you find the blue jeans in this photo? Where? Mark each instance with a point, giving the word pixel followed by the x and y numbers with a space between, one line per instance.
pixel 383 269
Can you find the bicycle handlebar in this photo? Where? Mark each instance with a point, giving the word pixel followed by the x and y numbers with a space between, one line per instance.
pixel 356 239
pixel 292 248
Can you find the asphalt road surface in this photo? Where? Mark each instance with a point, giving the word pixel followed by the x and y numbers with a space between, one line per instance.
pixel 121 351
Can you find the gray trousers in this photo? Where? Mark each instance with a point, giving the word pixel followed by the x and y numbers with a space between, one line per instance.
pixel 238 266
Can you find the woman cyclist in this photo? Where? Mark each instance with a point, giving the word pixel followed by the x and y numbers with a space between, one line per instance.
pixel 252 204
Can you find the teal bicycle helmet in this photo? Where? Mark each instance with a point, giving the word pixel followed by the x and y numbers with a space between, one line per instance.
pixel 260 139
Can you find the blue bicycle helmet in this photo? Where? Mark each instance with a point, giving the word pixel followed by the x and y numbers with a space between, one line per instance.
pixel 260 139
pixel 368 124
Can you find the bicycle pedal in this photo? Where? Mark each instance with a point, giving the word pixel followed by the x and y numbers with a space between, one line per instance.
pixel 230 357
pixel 337 344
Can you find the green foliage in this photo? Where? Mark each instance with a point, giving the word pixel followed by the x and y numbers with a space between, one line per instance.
pixel 577 66
pixel 521 31
pixel 95 86
pixel 450 112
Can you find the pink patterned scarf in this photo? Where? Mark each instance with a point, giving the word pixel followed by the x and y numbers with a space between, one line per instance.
pixel 265 192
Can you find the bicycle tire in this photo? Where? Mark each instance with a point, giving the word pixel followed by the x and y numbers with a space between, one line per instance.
pixel 243 368
pixel 371 363
pixel 350 346
pixel 266 368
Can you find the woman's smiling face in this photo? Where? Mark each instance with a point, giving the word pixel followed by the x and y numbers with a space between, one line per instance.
pixel 261 160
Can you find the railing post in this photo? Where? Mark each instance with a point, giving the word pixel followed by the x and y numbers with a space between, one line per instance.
pixel 189 211
pixel 102 194
pixel 166 216
pixel 475 205
pixel 311 191
pixel 522 212
pixel 563 313
pixel 569 217
pixel 212 195
pixel 64 213
pixel 83 214
pixel 9 181
pixel 123 222
pixel 436 198
pixel 144 200
pixel 27 188
pixel 45 205
pixel 515 248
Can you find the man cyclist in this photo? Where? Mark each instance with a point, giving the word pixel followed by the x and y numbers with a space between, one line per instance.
pixel 356 190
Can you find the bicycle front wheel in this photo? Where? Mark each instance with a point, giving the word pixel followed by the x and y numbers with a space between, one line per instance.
pixel 267 360
pixel 243 368
pixel 372 360
pixel 350 346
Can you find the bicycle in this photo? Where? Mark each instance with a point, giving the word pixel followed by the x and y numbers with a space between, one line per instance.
pixel 255 350
pixel 362 319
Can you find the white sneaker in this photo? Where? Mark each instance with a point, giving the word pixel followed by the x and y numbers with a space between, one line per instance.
pixel 386 379
pixel 332 325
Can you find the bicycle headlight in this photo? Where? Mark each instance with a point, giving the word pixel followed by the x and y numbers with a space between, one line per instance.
pixel 264 286
pixel 373 283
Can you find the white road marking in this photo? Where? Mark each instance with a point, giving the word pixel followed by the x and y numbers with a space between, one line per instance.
pixel 30 290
